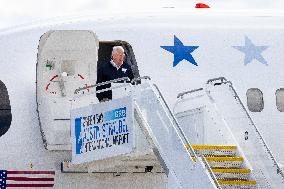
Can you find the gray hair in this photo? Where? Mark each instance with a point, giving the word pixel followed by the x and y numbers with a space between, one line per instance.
pixel 117 49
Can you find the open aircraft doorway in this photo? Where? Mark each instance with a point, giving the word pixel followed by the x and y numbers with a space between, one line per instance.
pixel 104 54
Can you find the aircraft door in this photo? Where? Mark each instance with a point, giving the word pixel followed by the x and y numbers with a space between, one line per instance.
pixel 67 60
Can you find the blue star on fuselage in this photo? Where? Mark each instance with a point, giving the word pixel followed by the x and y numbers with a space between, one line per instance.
pixel 181 52
pixel 252 52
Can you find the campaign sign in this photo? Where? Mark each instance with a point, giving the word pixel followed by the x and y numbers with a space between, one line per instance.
pixel 102 130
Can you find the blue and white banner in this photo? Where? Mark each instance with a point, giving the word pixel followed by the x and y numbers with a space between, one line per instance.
pixel 102 130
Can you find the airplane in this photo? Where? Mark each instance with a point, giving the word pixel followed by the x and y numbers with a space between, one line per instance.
pixel 205 109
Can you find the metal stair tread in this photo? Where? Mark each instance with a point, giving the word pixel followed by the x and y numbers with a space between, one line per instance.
pixel 225 165
pixel 231 170
pixel 212 147
pixel 222 158
pixel 238 182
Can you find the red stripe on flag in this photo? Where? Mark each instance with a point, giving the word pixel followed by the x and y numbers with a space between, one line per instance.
pixel 32 179
pixel 29 179
pixel 32 172
pixel 30 185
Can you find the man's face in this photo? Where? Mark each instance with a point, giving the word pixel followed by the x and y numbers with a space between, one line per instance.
pixel 118 58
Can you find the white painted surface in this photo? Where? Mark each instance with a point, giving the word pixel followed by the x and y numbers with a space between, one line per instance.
pixel 213 33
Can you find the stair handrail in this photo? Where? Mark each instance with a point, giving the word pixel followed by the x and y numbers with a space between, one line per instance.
pixel 124 79
pixel 175 121
pixel 222 79
pixel 236 96
pixel 192 152
pixel 279 170
pixel 135 80
pixel 210 171
pixel 141 120
pixel 180 95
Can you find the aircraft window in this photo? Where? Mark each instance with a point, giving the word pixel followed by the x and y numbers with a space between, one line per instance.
pixel 255 101
pixel 5 110
pixel 280 99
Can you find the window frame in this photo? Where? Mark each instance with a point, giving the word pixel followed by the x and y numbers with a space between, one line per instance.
pixel 280 109
pixel 255 103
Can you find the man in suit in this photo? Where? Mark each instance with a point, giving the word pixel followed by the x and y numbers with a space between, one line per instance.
pixel 114 69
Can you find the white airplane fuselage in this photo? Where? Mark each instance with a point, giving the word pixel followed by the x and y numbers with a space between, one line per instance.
pixel 215 34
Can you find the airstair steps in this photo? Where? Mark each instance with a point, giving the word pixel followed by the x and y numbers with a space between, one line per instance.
pixel 225 161
pixel 208 150
pixel 233 173
pixel 237 184
pixel 226 164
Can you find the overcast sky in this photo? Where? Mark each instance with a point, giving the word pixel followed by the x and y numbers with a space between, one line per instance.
pixel 17 12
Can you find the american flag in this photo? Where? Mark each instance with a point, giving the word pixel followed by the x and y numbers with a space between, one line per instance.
pixel 30 179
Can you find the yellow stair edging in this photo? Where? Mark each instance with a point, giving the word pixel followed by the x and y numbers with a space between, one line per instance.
pixel 210 147
pixel 216 158
pixel 220 159
pixel 237 182
pixel 231 170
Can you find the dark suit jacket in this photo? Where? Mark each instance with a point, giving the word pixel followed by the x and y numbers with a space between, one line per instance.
pixel 108 72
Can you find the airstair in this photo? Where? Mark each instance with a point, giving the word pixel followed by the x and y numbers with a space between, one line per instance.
pixel 198 146
pixel 227 166
pixel 169 142
pixel 152 117
pixel 215 119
